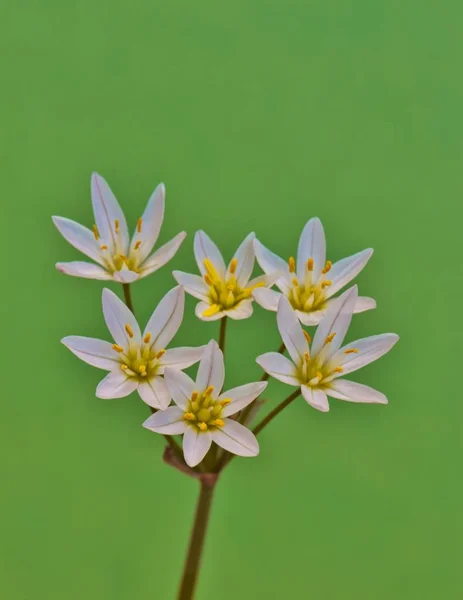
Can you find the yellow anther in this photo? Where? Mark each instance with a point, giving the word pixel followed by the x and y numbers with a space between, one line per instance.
pixel 211 270
pixel 326 283
pixel 207 279
pixel 209 390
pixel 310 264
pixel 160 354
pixel 225 401
pixel 295 282
pixel 194 396
pixel 307 357
pixel 139 225
pixel 338 370
pixel 203 426
pixel 218 423
pixel 104 247
pixel 351 351
pixel 233 265
pixel 212 310
pixel 129 330
pixel 117 226
pixel 327 267
pixel 142 369
pixel 319 375
pixel 96 233
pixel 147 338
pixel 330 338
pixel 291 264
pixel 124 367
pixel 307 336
pixel 137 245
pixel 189 416
pixel 118 348
pixel 124 258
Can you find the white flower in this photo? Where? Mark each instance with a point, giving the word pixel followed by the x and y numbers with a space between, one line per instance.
pixel 109 245
pixel 317 369
pixel 223 291
pixel 136 361
pixel 306 282
pixel 202 411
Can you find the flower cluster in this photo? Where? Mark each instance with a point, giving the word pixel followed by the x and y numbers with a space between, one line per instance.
pixel 214 423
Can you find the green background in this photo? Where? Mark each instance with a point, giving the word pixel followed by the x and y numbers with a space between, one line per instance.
pixel 257 116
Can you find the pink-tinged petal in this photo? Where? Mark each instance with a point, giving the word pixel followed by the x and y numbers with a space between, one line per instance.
pixel 120 320
pixel 193 284
pixel 316 398
pixel 355 392
pixel 166 318
pixel 180 386
pixel 245 261
pixel 357 354
pixel 363 304
pixel 336 321
pixel 125 275
pixel 311 318
pixel 204 248
pixel 270 263
pixel 268 299
pixel 202 307
pixel 346 269
pixel 279 367
pixel 243 310
pixel 162 256
pixel 154 392
pixel 167 422
pixel 116 385
pixel 147 230
pixel 312 244
pixel 291 331
pixel 107 211
pixel 236 438
pixel 241 396
pixel 84 269
pixel 80 237
pixel 181 358
pixel 195 446
pixel 211 370
pixel 97 353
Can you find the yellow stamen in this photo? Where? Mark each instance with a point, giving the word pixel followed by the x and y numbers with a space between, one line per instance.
pixel 160 354
pixel 327 267
pixel 212 310
pixel 104 247
pixel 142 369
pixel 211 270
pixel 218 423
pixel 233 265
pixel 319 375
pixel 310 264
pixel 124 367
pixel 338 370
pixel 137 245
pixel 203 426
pixel 147 338
pixel 129 330
pixel 124 258
pixel 96 233
pixel 291 264
pixel 307 357
pixel 330 338
pixel 326 283
pixel 307 336
pixel 118 348
pixel 295 282
pixel 207 279
pixel 225 401
pixel 209 390
pixel 189 416
pixel 139 225
pixel 194 396
pixel 117 226
pixel 351 351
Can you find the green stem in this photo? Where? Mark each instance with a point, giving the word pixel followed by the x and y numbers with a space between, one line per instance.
pixel 276 411
pixel 222 333
pixel 128 296
pixel 196 545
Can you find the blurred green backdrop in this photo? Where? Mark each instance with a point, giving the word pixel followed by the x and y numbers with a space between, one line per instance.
pixel 257 116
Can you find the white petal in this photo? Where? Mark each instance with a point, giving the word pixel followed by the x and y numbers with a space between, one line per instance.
pixel 116 385
pixel 211 370
pixel 364 303
pixel 279 367
pixel 355 392
pixel 193 284
pixel 166 318
pixel 291 331
pixel 204 248
pixel 243 310
pixel 168 422
pixel 154 392
pixel 80 237
pixel 316 398
pixel 336 320
pixel 162 256
pixel 369 350
pixel 195 446
pixel 346 269
pixel 151 223
pixel 203 306
pixel 241 396
pixel 125 275
pixel 97 353
pixel 310 318
pixel 312 244
pixel 181 358
pixel 86 270
pixel 268 261
pixel 245 257
pixel 117 317
pixel 268 299
pixel 107 210
pixel 266 280
pixel 236 438
pixel 181 387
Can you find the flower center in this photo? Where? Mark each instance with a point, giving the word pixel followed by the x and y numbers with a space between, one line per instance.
pixel 113 251
pixel 139 361
pixel 315 371
pixel 309 294
pixel 203 412
pixel 224 294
